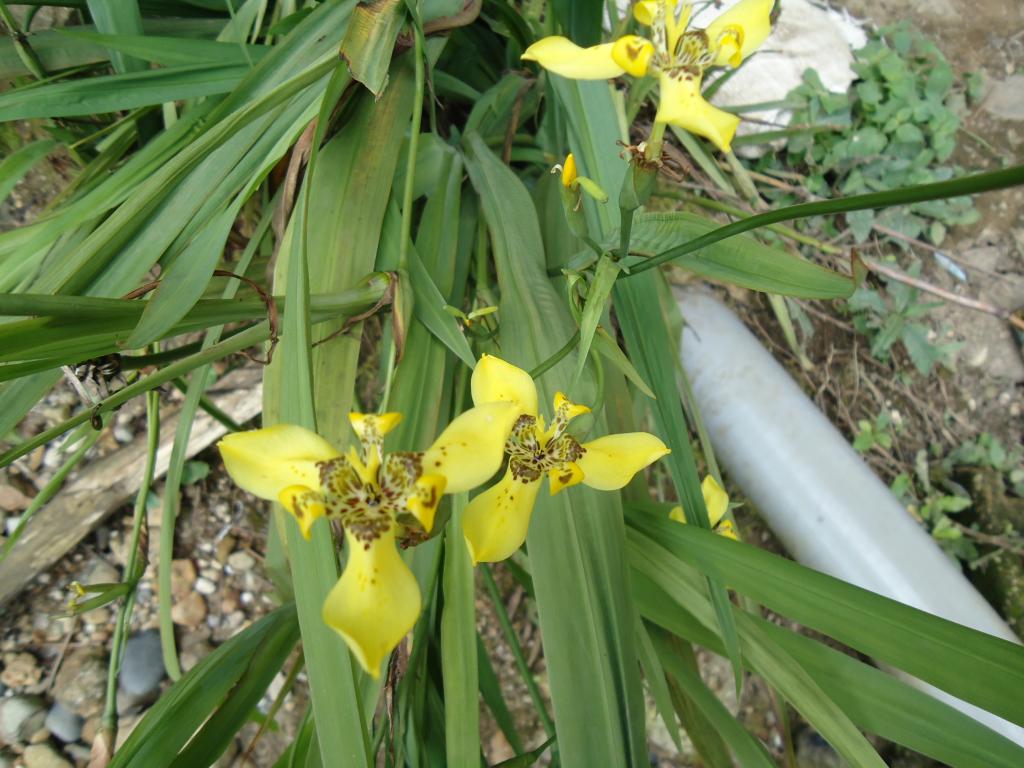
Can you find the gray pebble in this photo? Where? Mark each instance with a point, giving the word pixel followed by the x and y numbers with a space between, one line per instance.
pixel 143 665
pixel 63 723
pixel 20 717
pixel 205 586
pixel 44 756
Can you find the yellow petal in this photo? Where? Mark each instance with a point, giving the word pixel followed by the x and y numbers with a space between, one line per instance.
pixel 471 448
pixel 739 31
pixel 568 176
pixel 306 504
pixel 564 477
pixel 266 461
pixel 563 57
pixel 646 10
pixel 495 522
pixel 677 514
pixel 494 379
pixel 633 54
pixel 611 461
pixel 427 495
pixel 716 500
pixel 728 530
pixel 373 426
pixel 681 104
pixel 375 602
pixel 572 410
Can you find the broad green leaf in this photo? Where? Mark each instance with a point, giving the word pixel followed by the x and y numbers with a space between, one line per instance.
pixel 185 281
pixel 575 539
pixel 740 261
pixel 369 41
pixel 118 17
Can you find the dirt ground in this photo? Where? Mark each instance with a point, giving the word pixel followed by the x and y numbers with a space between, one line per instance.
pixel 218 543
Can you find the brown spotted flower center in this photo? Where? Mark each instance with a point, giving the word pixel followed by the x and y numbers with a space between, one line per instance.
pixel 533 452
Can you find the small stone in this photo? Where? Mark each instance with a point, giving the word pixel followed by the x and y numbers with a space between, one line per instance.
pixel 101 572
pixel 241 561
pixel 20 717
pixel 44 756
pixel 205 586
pixel 143 665
pixel 20 671
pixel 195 653
pixel 229 601
pixel 190 611
pixel 81 683
pixel 90 728
pixel 80 753
pixel 224 548
pixel 63 723
pixel 125 726
pixel 183 576
pixel 1006 99
pixel 812 751
pixel 12 500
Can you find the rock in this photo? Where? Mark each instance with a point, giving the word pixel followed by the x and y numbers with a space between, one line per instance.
pixel 90 728
pixel 224 548
pixel 12 500
pixel 20 718
pixel 241 561
pixel 812 751
pixel 63 723
pixel 125 726
pixel 81 683
pixel 143 665
pixel 205 586
pixel 20 670
pixel 44 756
pixel 190 611
pixel 102 572
pixel 193 654
pixel 80 753
pixel 1006 99
pixel 183 576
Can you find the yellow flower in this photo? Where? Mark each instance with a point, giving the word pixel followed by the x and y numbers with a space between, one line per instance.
pixel 380 499
pixel 677 55
pixel 716 500
pixel 496 521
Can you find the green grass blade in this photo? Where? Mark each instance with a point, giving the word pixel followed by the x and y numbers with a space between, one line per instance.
pixel 111 93
pixel 173 51
pixel 984 670
pixel 18 163
pixel 747 748
pixel 118 17
pixel 458 647
pixel 171 722
pixel 493 696
pixel 965 185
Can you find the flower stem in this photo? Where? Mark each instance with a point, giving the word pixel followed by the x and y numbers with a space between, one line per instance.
pixel 652 151
pixel 556 358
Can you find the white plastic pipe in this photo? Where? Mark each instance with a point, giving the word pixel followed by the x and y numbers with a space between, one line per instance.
pixel 823 502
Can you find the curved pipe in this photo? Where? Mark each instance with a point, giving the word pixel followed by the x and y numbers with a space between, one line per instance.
pixel 823 502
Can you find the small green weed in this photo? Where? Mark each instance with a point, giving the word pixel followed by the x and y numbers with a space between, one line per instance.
pixel 893 315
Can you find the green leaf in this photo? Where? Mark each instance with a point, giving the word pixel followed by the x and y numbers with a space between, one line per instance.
pixel 740 261
pixel 370 40
pixel 185 281
pixel 598 292
pixel 966 185
pixel 18 163
pixel 110 93
pixel 979 668
pixel 173 51
pixel 576 538
pixel 458 646
pixel 207 690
